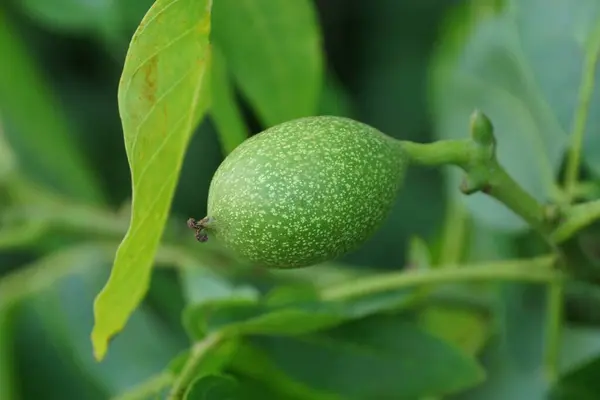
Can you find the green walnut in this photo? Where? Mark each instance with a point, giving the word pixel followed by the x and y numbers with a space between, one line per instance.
pixel 303 192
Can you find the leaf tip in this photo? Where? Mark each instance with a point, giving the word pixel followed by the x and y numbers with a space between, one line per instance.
pixel 102 333
pixel 99 344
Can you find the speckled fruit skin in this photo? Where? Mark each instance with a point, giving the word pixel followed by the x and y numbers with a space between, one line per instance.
pixel 305 191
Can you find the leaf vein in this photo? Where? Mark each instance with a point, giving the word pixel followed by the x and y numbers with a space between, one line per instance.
pixel 158 150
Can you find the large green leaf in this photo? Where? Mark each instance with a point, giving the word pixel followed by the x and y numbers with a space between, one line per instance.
pixel 580 366
pixel 224 108
pixel 378 357
pixel 224 387
pixel 239 313
pixel 273 49
pixel 516 371
pixel 516 361
pixel 255 365
pixel 35 125
pixel 202 285
pixel 284 311
pixel 580 346
pixel 216 304
pixel 489 69
pixel 162 95
pixel 559 43
pixel 468 330
pixel 581 384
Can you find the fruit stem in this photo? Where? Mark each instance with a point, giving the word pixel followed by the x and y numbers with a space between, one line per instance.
pixel 442 152
pixel 477 157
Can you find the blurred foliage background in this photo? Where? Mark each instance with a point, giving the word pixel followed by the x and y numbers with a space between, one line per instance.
pixel 60 64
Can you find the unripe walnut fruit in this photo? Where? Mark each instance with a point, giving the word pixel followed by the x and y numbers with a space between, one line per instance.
pixel 304 191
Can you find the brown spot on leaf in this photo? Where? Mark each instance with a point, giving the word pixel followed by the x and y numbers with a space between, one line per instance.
pixel 150 80
pixel 203 26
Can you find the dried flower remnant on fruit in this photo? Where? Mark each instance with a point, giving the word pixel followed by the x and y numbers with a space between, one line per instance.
pixel 199 227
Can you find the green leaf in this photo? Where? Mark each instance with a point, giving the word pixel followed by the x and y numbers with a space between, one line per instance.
pixel 244 315
pixel 580 365
pixel 377 302
pixel 488 69
pixel 566 33
pixel 580 346
pixel 581 384
pixel 224 109
pixel 514 361
pixel 273 49
pixel 505 380
pixel 377 357
pixel 522 320
pixel 287 310
pixel 511 375
pixel 162 95
pixel 251 362
pixel 254 389
pixel 466 329
pixel 214 387
pixel 44 146
pixel 202 285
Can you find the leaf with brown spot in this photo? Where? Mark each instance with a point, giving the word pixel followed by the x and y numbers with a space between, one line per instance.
pixel 162 96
